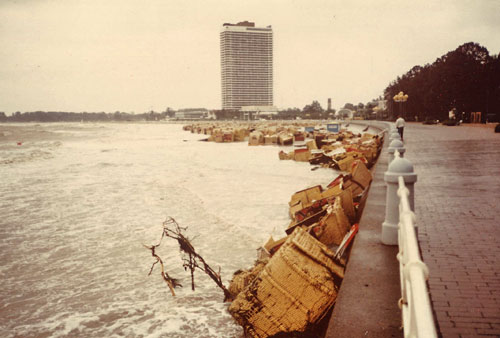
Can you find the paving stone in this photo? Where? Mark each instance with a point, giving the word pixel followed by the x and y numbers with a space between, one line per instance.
pixel 457 203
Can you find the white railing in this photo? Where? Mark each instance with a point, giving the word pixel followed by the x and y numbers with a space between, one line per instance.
pixel 415 304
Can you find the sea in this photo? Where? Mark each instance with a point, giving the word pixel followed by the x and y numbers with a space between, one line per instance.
pixel 80 202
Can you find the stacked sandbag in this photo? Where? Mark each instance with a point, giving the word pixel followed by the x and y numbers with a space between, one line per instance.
pixel 240 134
pixel 333 226
pixel 285 156
pixel 360 178
pixel 255 138
pixel 302 155
pixel 361 174
pixel 296 278
pixel 329 215
pixel 293 291
pixel 344 160
pixel 271 139
pixel 242 278
pixel 356 181
pixel 303 198
pixel 299 136
pixel 285 139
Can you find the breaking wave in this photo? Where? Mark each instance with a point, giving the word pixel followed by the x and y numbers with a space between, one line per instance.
pixel 79 201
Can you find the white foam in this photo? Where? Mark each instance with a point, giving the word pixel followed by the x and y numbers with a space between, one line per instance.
pixel 74 224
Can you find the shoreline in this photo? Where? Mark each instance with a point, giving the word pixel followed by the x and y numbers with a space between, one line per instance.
pixel 321 327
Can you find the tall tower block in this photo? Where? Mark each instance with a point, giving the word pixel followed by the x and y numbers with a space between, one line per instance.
pixel 246 65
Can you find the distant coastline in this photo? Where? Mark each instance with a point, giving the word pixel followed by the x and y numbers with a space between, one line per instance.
pixel 42 116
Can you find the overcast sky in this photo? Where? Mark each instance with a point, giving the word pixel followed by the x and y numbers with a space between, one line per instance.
pixel 134 56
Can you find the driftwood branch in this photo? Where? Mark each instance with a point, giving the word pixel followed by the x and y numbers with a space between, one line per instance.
pixel 191 259
pixel 171 282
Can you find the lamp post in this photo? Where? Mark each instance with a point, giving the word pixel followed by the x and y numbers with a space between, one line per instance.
pixel 400 97
pixel 375 111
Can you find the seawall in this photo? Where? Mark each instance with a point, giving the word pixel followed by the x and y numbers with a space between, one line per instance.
pixel 367 303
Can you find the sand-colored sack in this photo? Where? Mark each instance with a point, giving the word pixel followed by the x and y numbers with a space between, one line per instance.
pixel 228 136
pixel 367 136
pixel 333 227
pixel 301 155
pixel 370 152
pixel 285 156
pixel 240 135
pixel 294 208
pixel 255 138
pixel 306 196
pixel 268 140
pixel 347 204
pixel 298 136
pixel 344 161
pixel 311 145
pixel 332 192
pixel 285 139
pixel 242 278
pixel 218 137
pixel 361 174
pixel 293 291
pixel 272 246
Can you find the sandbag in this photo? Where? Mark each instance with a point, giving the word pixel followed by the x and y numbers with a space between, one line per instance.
pixel 306 196
pixel 301 155
pixel 361 174
pixel 294 290
pixel 242 278
pixel 333 226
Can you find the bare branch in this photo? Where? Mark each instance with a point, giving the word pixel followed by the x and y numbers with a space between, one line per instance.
pixel 191 259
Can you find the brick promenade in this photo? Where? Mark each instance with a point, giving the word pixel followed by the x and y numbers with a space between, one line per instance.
pixel 457 202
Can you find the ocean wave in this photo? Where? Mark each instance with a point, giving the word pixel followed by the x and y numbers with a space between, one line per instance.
pixel 73 228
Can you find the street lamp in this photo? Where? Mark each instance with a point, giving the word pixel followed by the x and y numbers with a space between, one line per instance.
pixel 400 97
pixel 375 111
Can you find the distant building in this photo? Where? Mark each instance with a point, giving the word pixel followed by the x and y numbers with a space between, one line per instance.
pixel 382 104
pixel 345 113
pixel 258 112
pixel 246 65
pixel 192 114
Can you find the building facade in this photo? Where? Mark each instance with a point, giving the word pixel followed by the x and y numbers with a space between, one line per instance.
pixel 192 114
pixel 246 65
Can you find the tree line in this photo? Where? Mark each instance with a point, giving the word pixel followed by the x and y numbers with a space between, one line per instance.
pixel 465 80
pixel 54 116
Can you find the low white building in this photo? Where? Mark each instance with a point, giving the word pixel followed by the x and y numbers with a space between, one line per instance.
pixel 345 113
pixel 192 114
pixel 258 112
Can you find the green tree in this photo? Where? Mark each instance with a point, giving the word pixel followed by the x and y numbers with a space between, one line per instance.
pixel 349 106
pixel 313 110
pixel 465 79
pixel 289 114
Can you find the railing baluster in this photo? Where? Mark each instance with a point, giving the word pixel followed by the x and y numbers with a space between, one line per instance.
pixel 399 227
pixel 415 303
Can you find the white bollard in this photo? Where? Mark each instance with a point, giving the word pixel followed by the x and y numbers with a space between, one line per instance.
pixel 398 167
pixel 394 135
pixel 393 146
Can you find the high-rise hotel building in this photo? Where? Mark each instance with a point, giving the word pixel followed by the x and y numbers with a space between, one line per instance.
pixel 247 65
